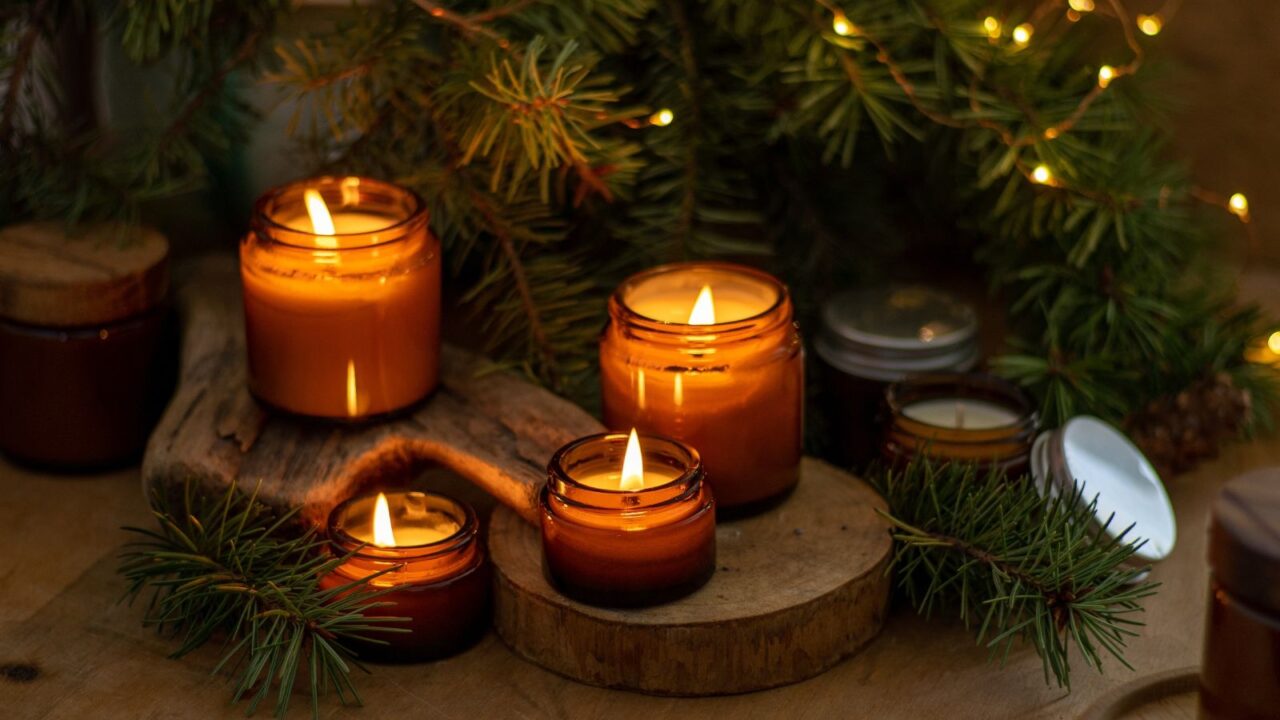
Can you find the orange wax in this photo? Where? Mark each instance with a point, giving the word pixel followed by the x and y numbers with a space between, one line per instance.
pixel 341 324
pixel 730 383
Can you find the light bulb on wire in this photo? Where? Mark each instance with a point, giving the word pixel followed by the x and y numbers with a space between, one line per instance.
pixel 1041 175
pixel 1150 24
pixel 662 118
pixel 1082 6
pixel 841 25
pixel 1022 34
pixel 1238 204
pixel 992 26
pixel 1106 74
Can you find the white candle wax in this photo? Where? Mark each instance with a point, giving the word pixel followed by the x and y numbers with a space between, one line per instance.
pixel 961 413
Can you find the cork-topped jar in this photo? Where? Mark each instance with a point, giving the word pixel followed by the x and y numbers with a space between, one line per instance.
pixel 86 354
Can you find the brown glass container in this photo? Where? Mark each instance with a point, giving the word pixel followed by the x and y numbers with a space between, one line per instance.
pixel 733 388
pixel 871 338
pixel 627 548
pixel 88 352
pixel 345 325
pixel 993 425
pixel 1240 675
pixel 443 587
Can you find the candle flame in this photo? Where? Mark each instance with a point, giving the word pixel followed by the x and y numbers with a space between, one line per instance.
pixel 383 535
pixel 632 465
pixel 321 220
pixel 704 309
pixel 353 407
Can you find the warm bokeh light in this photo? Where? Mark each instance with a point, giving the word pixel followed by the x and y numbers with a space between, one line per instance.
pixel 1238 204
pixel 1150 24
pixel 992 26
pixel 632 465
pixel 383 535
pixel 841 25
pixel 704 308
pixel 1022 34
pixel 662 118
pixel 1106 74
pixel 1273 342
pixel 1042 175
pixel 1081 5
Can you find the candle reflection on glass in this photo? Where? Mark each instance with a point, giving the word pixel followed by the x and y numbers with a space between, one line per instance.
pixel 342 298
pixel 708 353
pixel 427 548
pixel 627 520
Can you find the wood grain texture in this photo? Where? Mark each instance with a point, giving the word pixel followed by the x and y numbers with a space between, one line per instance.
pixel 95 274
pixel 796 590
pixel 488 425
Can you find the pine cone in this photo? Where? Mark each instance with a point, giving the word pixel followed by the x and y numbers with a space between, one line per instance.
pixel 1178 431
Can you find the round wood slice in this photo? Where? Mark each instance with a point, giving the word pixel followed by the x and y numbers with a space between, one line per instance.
pixel 93 274
pixel 797 589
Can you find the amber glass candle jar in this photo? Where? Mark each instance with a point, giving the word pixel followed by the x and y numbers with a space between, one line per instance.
pixel 708 353
pixel 1240 675
pixel 341 298
pixel 967 417
pixel 609 539
pixel 88 346
pixel 429 546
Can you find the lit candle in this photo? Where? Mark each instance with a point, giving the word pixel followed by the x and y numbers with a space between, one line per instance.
pixel 627 520
pixel 426 546
pixel 965 417
pixel 708 353
pixel 342 298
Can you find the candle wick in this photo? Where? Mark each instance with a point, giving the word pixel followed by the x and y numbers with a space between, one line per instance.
pixel 959 415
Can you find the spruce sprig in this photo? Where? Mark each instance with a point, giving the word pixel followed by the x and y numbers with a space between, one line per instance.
pixel 1014 565
pixel 227 568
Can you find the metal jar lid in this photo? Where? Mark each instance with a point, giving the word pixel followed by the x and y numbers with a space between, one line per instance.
pixel 885 334
pixel 1112 470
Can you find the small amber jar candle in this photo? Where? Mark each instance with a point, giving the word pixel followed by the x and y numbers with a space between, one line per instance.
pixel 708 353
pixel 616 536
pixel 428 549
pixel 341 298
pixel 1240 675
pixel 966 417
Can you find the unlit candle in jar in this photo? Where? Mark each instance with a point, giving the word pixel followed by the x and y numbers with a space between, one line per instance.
pixel 961 413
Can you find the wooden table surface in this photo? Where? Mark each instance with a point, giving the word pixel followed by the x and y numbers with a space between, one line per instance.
pixel 59 537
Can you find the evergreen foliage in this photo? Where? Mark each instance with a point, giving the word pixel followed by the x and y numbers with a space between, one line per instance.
pixel 805 136
pixel 229 569
pixel 1012 566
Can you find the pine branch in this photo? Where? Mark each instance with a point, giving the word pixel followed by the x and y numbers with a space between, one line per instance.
pixel 230 567
pixel 1012 564
pixel 17 76
pixel 245 52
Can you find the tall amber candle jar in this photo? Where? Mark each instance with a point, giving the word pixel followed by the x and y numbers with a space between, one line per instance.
pixel 709 353
pixel 617 544
pixel 341 298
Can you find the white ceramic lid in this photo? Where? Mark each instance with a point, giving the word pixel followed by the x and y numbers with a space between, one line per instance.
pixel 1112 470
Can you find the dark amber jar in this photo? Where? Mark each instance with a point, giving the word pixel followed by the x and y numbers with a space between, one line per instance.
pixel 443 587
pixel 967 417
pixel 88 348
pixel 1240 676
pixel 627 548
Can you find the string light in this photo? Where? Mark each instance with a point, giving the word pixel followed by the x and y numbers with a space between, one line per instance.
pixel 1073 16
pixel 1150 24
pixel 1273 342
pixel 1238 204
pixel 841 25
pixel 662 118
pixel 1041 175
pixel 1106 74
pixel 992 26
pixel 1022 34
pixel 1083 6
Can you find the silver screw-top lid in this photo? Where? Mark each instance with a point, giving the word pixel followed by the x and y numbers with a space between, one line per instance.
pixel 888 333
pixel 1113 470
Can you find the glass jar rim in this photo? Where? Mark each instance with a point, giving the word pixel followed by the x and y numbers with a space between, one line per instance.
pixel 263 218
pixel 557 473
pixel 781 299
pixel 1028 418
pixel 346 544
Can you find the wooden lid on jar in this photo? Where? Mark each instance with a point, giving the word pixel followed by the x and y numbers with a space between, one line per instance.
pixel 1244 538
pixel 54 276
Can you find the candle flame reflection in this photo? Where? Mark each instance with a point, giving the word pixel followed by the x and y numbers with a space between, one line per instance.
pixel 353 406
pixel 383 535
pixel 704 308
pixel 632 465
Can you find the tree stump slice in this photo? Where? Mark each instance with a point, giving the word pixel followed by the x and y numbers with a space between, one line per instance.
pixel 796 590
pixel 486 424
